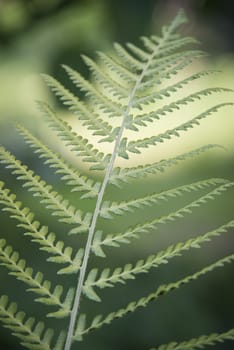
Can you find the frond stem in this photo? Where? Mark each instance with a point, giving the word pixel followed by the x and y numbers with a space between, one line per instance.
pixel 76 304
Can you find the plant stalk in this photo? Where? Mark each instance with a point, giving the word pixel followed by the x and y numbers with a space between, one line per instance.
pixel 76 304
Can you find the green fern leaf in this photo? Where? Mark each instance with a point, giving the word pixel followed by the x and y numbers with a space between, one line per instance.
pixel 175 87
pixel 128 60
pixel 32 335
pixel 167 48
pixel 99 320
pixel 125 74
pixel 113 87
pixel 200 342
pixel 121 274
pixel 110 208
pixel 78 144
pixel 80 327
pixel 167 69
pixel 52 200
pixel 106 104
pixel 70 175
pixel 40 234
pixel 122 175
pixel 114 240
pixel 170 66
pixel 150 117
pixel 133 146
pixel 18 268
pixel 60 253
pixel 84 113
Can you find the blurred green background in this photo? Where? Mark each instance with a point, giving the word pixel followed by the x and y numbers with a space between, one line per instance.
pixel 36 36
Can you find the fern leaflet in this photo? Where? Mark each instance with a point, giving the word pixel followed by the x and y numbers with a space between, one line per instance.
pixel 99 320
pixel 200 342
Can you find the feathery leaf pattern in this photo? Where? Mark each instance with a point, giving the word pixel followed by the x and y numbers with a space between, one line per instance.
pixel 122 94
pixel 101 320
pixel 200 342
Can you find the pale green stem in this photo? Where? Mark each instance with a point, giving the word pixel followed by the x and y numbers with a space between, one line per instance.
pixel 75 308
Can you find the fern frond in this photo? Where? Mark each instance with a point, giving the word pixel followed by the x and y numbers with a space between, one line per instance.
pixel 144 119
pixel 88 117
pixel 169 61
pixel 164 46
pixel 114 240
pixel 148 98
pixel 161 72
pixel 96 98
pixel 50 198
pixel 138 52
pixel 99 320
pixel 133 146
pixel 108 82
pixel 78 144
pixel 121 274
pixel 66 308
pixel 168 47
pixel 170 66
pixel 122 84
pixel 160 62
pixel 109 209
pixel 200 342
pixel 47 240
pixel 105 103
pixel 125 74
pixel 70 175
pixel 119 175
pixel 36 282
pixel 32 335
pixel 167 36
pixel 166 92
pixel 128 60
